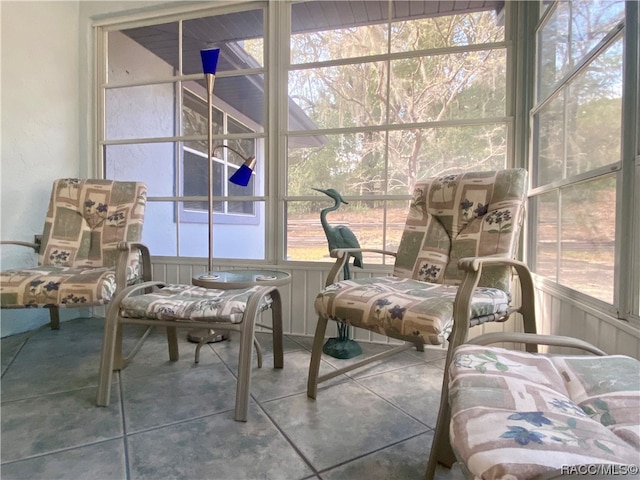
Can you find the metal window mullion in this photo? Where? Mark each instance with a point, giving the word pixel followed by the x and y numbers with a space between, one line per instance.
pixel 559 235
pixel 433 52
pixel 510 76
pixel 203 198
pixel 178 151
pixel 627 254
pixel 509 110
pixel 185 138
pixel 351 198
pixel 385 210
pixel 182 77
pixel 100 72
pixel 542 21
pixel 525 50
pixel 565 129
pixel 278 56
pixel 576 179
pixel 469 122
pixel 565 126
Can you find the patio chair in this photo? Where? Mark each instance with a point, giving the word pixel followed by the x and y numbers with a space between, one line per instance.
pixel 90 247
pixel 452 271
pixel 513 414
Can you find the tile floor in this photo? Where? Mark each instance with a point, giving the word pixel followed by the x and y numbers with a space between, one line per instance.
pixel 175 419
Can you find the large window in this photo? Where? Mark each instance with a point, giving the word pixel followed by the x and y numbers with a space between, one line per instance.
pixel 155 127
pixel 396 92
pixel 578 166
pixel 367 98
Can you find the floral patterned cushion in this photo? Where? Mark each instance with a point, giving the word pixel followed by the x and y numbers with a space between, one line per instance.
pixel 85 222
pixel 467 215
pixel 52 285
pixel 189 303
pixel 518 415
pixel 402 308
pixel 88 218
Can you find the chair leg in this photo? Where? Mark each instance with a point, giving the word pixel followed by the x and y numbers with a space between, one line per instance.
pixel 316 355
pixel 244 373
pixel 172 340
pixel 258 348
pixel 247 336
pixel 276 316
pixel 111 333
pixel 119 361
pixel 441 451
pixel 54 317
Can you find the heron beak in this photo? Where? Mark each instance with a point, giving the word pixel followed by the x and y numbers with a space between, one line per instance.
pixel 330 194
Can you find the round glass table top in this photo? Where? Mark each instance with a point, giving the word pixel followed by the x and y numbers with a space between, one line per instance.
pixel 240 278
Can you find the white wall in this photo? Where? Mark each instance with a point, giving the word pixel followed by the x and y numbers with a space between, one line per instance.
pixel 39 59
pixel 46 75
pixel 39 130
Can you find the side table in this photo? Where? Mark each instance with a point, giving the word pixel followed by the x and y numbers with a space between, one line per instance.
pixel 230 280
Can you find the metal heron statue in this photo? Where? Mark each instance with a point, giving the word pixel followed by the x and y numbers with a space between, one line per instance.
pixel 340 236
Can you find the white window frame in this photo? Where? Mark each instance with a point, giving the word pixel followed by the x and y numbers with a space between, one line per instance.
pixel 508 120
pixel 180 14
pixel 626 302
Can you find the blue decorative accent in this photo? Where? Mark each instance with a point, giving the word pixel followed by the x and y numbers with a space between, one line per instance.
pixel 242 176
pixel 210 60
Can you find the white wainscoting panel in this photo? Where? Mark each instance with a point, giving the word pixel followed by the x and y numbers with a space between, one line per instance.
pixel 561 316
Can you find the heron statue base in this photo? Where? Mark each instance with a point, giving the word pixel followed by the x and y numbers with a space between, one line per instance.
pixel 342 346
pixel 342 349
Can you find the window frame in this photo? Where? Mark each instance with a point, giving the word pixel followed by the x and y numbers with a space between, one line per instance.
pixel 179 15
pixel 277 16
pixel 507 120
pixel 626 290
pixel 277 62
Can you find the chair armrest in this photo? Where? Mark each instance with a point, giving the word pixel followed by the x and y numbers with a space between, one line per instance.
pixel 462 303
pixel 125 249
pixel 145 258
pixel 473 266
pixel 341 256
pixel 337 252
pixel 476 263
pixel 535 339
pixel 35 246
pixel 122 293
